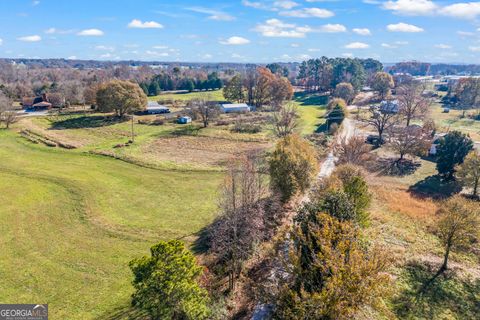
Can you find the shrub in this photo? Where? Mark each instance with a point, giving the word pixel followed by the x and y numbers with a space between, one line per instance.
pixel 293 166
pixel 333 274
pixel 242 127
pixel 166 283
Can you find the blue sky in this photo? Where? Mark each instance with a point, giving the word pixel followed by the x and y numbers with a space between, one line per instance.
pixel 241 31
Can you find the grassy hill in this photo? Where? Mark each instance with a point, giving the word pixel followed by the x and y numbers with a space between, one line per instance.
pixel 71 222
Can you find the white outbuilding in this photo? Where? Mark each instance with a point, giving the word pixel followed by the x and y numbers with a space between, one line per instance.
pixel 235 108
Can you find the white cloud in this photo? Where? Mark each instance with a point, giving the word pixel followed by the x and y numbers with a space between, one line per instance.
pixel 295 45
pixel 253 4
pixel 474 49
pixel 357 45
pixel 465 33
pixel 138 24
pixel 212 14
pixel 58 31
pixel 466 10
pixel 91 33
pixel 389 46
pixel 157 53
pixel 235 41
pixel 72 58
pixel 308 13
pixel 34 38
pixel 104 48
pixel 285 4
pixel 160 47
pixel 35 3
pixel 443 46
pixel 362 31
pixel 278 29
pixel 347 55
pixel 1 41
pixel 403 27
pixel 411 7
pixel 332 28
pixel 206 56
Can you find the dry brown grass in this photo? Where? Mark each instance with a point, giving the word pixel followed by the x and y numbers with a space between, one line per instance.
pixel 401 201
pixel 199 150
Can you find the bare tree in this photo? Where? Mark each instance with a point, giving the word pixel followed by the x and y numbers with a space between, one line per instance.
pixel 409 141
pixel 285 121
pixel 7 115
pixel 203 109
pixel 354 150
pixel 240 223
pixel 381 122
pixel 413 105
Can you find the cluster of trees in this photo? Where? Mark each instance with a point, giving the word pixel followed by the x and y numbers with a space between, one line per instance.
pixel 175 80
pixel 416 68
pixel 324 74
pixel 465 95
pixel 332 272
pixel 69 85
pixel 259 87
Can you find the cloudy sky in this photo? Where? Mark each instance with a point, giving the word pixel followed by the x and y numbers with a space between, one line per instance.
pixel 241 31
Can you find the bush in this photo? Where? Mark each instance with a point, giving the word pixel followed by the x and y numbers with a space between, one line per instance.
pixel 166 283
pixel 333 274
pixel 242 127
pixel 293 166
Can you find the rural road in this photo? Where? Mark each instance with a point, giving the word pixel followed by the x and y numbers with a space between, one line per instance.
pixel 327 167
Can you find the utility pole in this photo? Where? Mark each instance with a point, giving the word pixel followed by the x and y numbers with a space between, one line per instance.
pixel 133 133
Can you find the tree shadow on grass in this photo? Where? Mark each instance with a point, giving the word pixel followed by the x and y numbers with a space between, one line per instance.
pixel 308 99
pixel 86 122
pixel 396 167
pixel 447 295
pixel 435 187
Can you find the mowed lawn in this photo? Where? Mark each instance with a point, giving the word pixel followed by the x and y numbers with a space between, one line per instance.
pixel 215 95
pixel 71 222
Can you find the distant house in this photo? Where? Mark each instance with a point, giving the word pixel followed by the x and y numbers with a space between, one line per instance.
pixel 184 120
pixel 235 108
pixel 38 103
pixel 436 141
pixel 155 108
pixel 389 106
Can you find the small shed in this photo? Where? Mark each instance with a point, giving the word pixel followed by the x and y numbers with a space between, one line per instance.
pixel 37 103
pixel 155 108
pixel 184 120
pixel 235 108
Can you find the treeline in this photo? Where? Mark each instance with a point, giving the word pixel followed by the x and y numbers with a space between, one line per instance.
pixel 325 73
pixel 176 81
pixel 416 68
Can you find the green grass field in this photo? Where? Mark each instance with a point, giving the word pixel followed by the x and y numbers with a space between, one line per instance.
pixel 311 108
pixel 216 95
pixel 454 121
pixel 71 222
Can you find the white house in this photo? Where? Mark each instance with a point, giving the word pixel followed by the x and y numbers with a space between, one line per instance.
pixel 235 108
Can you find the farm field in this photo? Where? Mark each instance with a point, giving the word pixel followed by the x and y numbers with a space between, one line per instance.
pixel 71 222
pixel 453 121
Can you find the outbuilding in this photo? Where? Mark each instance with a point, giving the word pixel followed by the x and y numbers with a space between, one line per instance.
pixel 389 106
pixel 184 120
pixel 155 108
pixel 235 108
